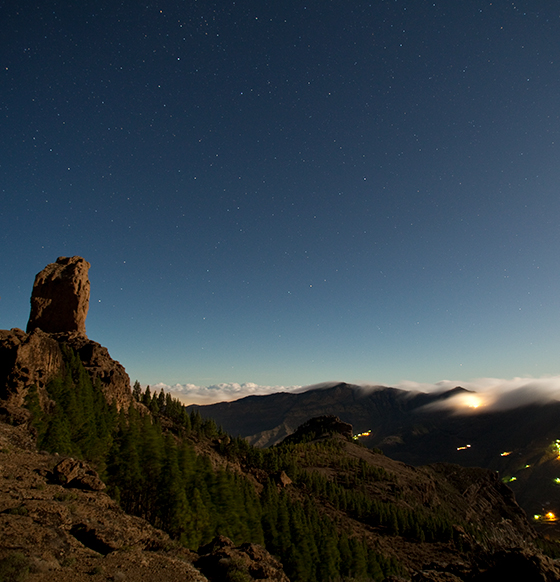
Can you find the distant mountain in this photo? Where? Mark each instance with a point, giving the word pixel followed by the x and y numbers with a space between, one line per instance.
pixel 255 417
pixel 519 443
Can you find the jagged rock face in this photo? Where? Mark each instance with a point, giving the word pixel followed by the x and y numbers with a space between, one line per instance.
pixel 36 358
pixel 27 360
pixel 60 297
pixel 59 305
pixel 115 382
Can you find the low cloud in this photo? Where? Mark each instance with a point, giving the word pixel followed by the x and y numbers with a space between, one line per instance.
pixel 193 394
pixel 492 393
pixel 483 393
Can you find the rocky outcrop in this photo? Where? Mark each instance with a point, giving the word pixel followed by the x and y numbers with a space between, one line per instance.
pixel 27 360
pixel 114 380
pixel 77 474
pixel 59 305
pixel 34 359
pixel 63 533
pixel 222 560
pixel 320 427
pixel 60 297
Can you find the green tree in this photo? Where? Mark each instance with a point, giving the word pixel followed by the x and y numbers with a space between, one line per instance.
pixel 137 391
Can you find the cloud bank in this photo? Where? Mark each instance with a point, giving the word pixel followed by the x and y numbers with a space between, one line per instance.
pixel 193 394
pixel 493 393
pixel 486 393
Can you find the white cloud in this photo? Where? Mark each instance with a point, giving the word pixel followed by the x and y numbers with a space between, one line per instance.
pixel 493 393
pixel 225 392
pixel 490 393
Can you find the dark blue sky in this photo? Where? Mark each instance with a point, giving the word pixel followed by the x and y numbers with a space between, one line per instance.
pixel 290 192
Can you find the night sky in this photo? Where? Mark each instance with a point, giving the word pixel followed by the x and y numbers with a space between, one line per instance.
pixel 286 193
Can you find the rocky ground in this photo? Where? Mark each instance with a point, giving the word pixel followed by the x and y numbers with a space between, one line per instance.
pixel 75 532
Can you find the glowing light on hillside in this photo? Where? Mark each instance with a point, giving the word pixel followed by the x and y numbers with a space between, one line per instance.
pixel 550 517
pixel 473 401
pixel 361 434
pixel 469 401
pixel 464 448
pixel 556 448
pixel 506 454
pixel 557 480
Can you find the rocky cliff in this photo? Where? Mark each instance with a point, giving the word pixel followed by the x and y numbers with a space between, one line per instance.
pixel 59 306
pixel 60 297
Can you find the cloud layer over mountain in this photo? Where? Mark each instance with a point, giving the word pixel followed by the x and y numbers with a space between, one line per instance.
pixel 493 393
pixel 488 393
pixel 192 394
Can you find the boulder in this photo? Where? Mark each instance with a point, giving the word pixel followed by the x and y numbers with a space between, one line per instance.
pixel 77 474
pixel 282 479
pixel 222 560
pixel 60 297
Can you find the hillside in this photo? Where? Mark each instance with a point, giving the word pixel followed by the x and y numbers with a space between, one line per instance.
pixel 407 427
pixel 100 482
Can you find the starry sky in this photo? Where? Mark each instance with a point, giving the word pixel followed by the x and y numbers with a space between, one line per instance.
pixel 285 193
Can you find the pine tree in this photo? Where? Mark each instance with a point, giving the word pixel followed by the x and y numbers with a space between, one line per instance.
pixel 137 391
pixel 172 507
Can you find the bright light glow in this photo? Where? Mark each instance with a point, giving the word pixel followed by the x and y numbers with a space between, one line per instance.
pixel 550 516
pixel 556 448
pixel 473 401
pixel 464 448
pixel 464 402
pixel 505 454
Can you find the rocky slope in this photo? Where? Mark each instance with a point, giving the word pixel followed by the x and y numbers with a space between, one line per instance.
pixel 520 443
pixel 57 524
pixel 69 532
pixel 439 522
pixel 493 532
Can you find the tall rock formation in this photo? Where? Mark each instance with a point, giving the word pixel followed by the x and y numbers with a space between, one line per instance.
pixel 60 297
pixel 59 306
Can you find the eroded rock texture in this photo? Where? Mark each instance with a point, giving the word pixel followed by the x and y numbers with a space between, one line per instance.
pixel 115 382
pixel 59 305
pixel 60 297
pixel 27 360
